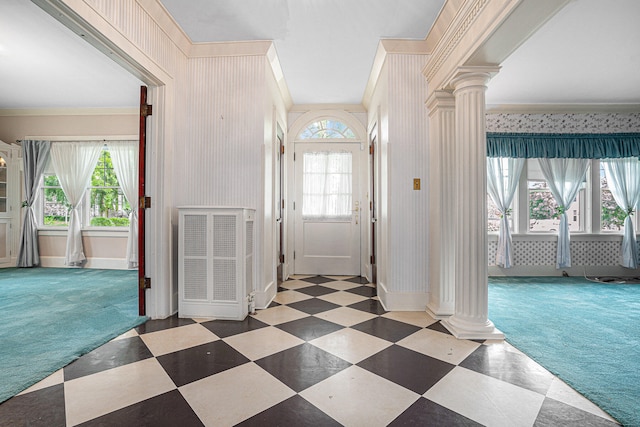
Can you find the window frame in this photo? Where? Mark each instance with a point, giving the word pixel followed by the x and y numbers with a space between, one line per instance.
pixel 591 207
pixel 84 209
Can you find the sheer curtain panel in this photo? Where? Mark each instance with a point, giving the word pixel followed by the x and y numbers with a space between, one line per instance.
pixel 503 175
pixel 124 156
pixel 564 177
pixel 327 181
pixel 623 178
pixel 35 155
pixel 74 163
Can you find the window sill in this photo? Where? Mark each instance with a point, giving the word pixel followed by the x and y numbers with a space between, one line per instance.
pixel 94 232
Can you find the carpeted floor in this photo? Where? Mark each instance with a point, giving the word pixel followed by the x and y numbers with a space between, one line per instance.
pixel 586 333
pixel 53 316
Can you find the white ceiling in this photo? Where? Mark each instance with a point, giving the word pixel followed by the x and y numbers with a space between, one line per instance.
pixel 588 53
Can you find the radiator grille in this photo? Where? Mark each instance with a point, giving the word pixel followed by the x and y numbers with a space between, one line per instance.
pixel 195 235
pixel 195 279
pixel 224 236
pixel 224 273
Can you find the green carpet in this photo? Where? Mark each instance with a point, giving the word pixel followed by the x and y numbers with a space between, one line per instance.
pixel 52 316
pixel 586 333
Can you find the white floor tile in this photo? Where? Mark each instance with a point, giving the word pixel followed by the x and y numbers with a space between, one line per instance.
pixel 288 297
pixel 174 339
pixel 416 318
pixel 295 284
pixel 357 397
pixel 351 345
pixel 345 316
pixel 441 346
pixel 342 298
pixel 262 342
pixel 234 395
pixel 98 394
pixel 278 315
pixel 485 399
pixel 339 285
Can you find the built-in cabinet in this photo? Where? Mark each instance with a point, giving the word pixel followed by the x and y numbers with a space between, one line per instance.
pixel 9 203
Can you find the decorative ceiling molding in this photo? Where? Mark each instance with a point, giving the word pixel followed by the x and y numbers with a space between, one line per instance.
pixel 70 112
pixel 563 108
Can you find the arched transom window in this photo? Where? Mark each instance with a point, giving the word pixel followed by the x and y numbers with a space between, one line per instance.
pixel 327 129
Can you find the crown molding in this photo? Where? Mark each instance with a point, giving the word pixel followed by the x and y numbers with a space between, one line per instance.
pixel 350 108
pixel 14 112
pixel 235 48
pixel 562 108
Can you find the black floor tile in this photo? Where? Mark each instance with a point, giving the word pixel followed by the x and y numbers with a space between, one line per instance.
pixel 195 363
pixel 554 413
pixel 273 304
pixel 166 410
pixel 514 368
pixel 316 291
pixel 227 328
pixel 318 279
pixel 294 411
pixel 313 306
pixel 437 326
pixel 410 369
pixel 110 355
pixel 370 306
pixel 427 413
pixel 309 328
pixel 365 291
pixel 302 366
pixel 387 329
pixel 358 279
pixel 41 408
pixel 161 324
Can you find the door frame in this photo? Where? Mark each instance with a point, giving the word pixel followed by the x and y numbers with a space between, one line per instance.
pixel 360 132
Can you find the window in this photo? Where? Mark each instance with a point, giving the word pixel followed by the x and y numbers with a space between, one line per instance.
pixel 327 129
pixel 103 205
pixel 611 215
pixel 544 215
pixel 594 209
pixel 326 192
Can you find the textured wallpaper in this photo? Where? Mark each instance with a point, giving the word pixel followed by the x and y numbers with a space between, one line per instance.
pixel 563 123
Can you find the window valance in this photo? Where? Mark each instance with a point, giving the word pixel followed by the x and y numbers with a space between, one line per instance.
pixel 563 145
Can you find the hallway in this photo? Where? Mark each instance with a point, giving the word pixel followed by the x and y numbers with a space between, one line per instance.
pixel 324 353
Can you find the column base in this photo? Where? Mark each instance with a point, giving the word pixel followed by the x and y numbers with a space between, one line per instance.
pixel 463 329
pixel 439 313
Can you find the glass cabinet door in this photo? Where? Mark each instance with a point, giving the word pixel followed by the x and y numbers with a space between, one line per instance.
pixel 3 184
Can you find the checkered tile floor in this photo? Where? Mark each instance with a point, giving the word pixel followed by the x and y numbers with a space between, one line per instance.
pixel 324 353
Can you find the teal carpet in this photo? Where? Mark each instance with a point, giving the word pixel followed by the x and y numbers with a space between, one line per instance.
pixel 586 333
pixel 53 316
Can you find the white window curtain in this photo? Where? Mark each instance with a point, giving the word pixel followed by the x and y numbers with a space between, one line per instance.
pixel 564 177
pixel 74 163
pixel 124 156
pixel 503 175
pixel 326 184
pixel 623 178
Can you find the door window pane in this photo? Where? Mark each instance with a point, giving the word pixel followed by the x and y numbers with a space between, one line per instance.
pixel 327 183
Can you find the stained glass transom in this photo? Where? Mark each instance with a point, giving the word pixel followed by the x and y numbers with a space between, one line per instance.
pixel 327 129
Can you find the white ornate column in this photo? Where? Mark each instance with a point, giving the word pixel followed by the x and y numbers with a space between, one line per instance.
pixel 470 214
pixel 441 108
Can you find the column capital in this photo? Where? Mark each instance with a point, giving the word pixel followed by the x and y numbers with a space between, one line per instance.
pixel 440 99
pixel 472 76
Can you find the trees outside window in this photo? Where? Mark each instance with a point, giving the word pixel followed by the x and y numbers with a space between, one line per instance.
pixel 104 204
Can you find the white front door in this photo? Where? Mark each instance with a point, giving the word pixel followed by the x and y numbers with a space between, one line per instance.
pixel 327 208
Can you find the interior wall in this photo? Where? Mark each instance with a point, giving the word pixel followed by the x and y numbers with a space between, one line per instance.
pixel 397 104
pixel 534 254
pixel 102 249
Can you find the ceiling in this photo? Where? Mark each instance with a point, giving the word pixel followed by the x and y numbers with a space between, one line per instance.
pixel 588 53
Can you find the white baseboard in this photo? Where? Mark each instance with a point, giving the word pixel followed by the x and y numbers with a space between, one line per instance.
pixel 98 263
pixel 402 301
